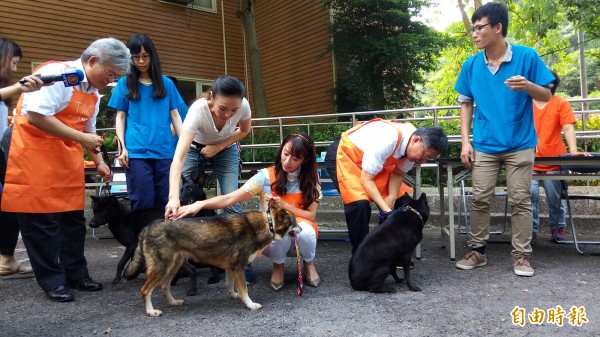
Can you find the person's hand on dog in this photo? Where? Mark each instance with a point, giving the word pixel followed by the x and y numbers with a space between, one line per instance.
pixel 124 158
pixel 390 200
pixel 171 208
pixel 277 202
pixel 188 210
pixel 383 216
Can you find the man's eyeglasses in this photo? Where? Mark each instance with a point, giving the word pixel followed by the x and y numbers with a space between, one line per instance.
pixel 477 29
pixel 426 156
pixel 138 58
pixel 112 76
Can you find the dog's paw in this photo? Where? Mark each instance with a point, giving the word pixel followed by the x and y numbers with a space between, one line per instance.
pixel 116 280
pixel 414 288
pixel 154 313
pixel 176 303
pixel 233 295
pixel 192 292
pixel 253 306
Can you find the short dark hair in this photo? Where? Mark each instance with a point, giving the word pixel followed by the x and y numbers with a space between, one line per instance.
pixel 495 12
pixel 433 137
pixel 554 83
pixel 228 86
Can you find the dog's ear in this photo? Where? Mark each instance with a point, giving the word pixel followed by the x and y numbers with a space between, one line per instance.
pixel 272 203
pixel 402 201
pixel 282 216
pixel 94 198
pixel 285 219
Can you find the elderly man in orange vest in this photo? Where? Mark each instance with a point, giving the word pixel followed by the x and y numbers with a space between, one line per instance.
pixel 369 162
pixel 45 177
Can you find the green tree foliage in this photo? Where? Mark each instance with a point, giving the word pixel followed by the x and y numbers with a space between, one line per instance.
pixel 585 14
pixel 381 53
pixel 441 82
pixel 549 26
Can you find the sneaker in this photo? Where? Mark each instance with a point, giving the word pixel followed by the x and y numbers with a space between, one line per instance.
pixel 521 266
pixel 471 260
pixel 560 235
pixel 533 238
pixel 249 275
pixel 554 232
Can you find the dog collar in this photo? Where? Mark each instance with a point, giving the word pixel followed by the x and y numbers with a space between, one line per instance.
pixel 408 208
pixel 270 221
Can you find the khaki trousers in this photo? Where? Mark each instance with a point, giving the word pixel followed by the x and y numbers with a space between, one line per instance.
pixel 486 168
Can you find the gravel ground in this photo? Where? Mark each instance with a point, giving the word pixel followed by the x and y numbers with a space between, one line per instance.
pixel 453 302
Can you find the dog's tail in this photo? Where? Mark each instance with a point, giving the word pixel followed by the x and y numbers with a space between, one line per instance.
pixel 136 265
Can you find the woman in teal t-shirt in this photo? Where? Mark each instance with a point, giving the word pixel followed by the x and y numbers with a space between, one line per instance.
pixel 146 104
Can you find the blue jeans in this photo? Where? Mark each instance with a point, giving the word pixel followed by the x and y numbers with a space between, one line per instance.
pixel 556 206
pixel 226 165
pixel 148 182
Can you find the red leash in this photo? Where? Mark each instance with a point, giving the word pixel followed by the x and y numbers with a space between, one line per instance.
pixel 300 284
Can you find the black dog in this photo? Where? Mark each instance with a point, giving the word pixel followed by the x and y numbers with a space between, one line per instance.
pixel 389 245
pixel 124 224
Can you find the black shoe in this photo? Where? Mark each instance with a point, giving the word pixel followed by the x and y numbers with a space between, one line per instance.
pixel 86 284
pixel 60 294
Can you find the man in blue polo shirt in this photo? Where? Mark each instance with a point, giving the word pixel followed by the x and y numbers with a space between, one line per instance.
pixel 502 80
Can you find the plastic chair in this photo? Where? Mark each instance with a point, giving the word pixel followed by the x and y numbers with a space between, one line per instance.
pixel 462 205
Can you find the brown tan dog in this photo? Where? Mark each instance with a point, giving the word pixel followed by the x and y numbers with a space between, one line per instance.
pixel 228 241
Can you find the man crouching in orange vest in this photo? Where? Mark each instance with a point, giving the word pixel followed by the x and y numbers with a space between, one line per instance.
pixel 369 162
pixel 45 176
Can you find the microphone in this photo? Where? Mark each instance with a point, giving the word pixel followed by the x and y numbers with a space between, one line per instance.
pixel 69 77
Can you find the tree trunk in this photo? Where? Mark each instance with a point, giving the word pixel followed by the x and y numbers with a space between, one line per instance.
pixel 247 17
pixel 465 17
pixel 463 12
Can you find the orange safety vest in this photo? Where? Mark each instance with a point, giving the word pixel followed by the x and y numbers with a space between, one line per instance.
pixel 291 198
pixel 349 168
pixel 45 173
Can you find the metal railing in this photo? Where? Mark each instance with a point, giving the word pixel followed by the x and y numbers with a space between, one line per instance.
pixel 430 115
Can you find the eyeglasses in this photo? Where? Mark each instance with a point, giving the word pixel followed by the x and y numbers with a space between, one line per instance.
pixel 477 29
pixel 426 156
pixel 111 75
pixel 138 58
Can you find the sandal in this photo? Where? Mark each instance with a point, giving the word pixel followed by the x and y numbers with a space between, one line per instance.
pixel 17 267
